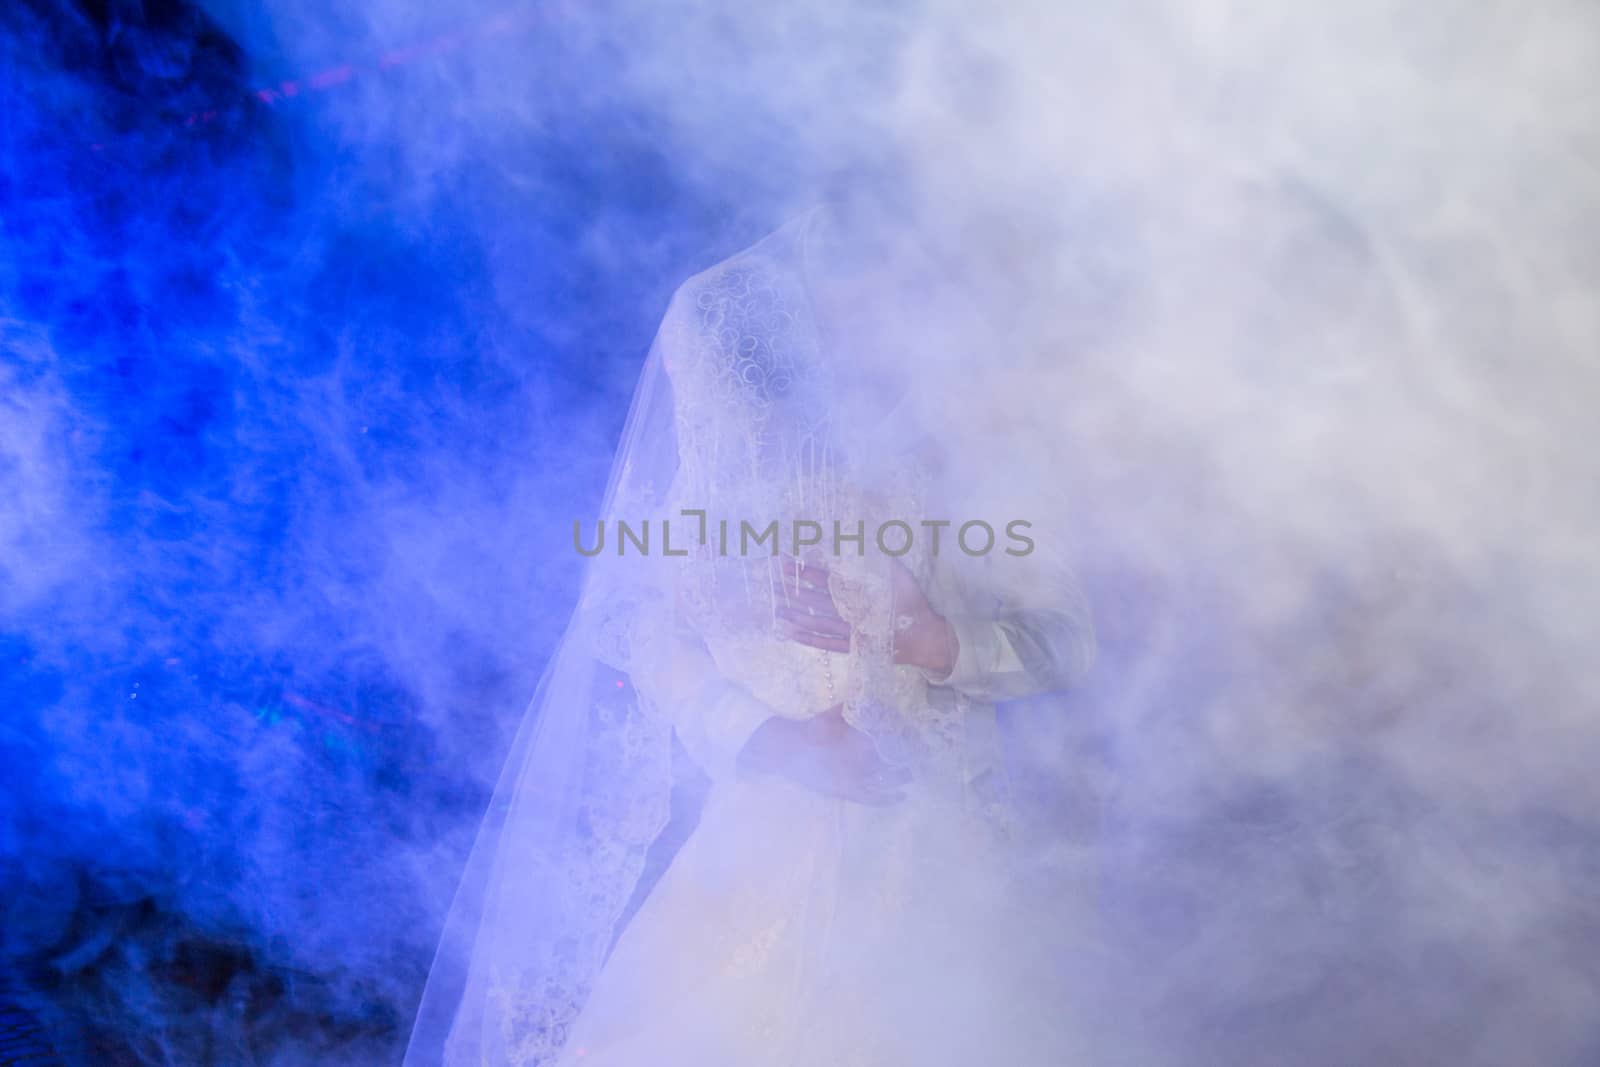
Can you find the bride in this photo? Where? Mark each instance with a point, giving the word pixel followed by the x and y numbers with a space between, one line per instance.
pixel 792 593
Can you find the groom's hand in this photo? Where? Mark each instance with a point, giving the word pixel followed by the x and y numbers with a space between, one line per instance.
pixel 923 638
pixel 826 755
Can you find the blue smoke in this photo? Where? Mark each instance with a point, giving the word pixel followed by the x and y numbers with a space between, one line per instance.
pixel 299 395
pixel 318 324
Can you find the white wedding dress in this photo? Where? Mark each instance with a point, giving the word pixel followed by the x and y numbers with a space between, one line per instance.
pixel 791 928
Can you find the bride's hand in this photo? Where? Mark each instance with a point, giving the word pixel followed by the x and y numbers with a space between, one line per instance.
pixel 923 638
pixel 826 755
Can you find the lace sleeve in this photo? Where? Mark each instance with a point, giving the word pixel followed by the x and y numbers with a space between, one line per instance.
pixel 711 715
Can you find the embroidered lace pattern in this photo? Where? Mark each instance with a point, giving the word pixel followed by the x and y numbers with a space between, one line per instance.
pixel 757 441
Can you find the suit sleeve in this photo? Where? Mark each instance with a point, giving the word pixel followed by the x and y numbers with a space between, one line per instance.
pixel 1022 628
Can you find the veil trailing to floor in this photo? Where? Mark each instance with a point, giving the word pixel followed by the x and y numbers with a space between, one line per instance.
pixel 584 791
pixel 734 417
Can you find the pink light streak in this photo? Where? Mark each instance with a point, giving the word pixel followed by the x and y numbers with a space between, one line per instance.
pixel 347 73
